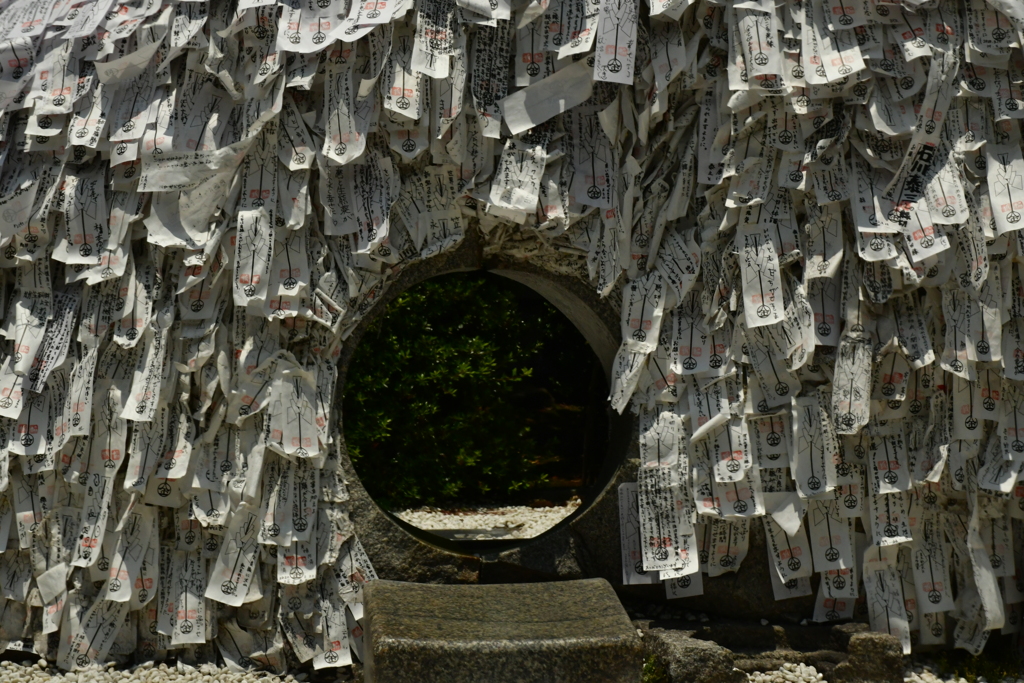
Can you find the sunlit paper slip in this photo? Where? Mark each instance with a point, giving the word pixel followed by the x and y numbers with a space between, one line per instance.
pixel 235 565
pixel 762 290
pixel 615 45
pixel 728 543
pixel 541 101
pixel 665 505
pixel 787 536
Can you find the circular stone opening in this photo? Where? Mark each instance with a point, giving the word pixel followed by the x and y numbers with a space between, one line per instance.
pixel 475 410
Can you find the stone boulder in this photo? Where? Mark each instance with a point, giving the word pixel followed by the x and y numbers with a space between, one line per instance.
pixel 688 660
pixel 874 658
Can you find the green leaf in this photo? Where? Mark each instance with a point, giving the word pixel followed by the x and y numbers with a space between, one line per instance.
pixel 469 389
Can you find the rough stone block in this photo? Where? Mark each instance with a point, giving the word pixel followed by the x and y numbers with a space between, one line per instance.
pixel 689 660
pixel 520 633
pixel 874 658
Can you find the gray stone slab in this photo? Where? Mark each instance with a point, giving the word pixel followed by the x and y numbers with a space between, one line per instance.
pixel 565 631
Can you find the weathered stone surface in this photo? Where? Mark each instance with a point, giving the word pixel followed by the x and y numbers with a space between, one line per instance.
pixel 874 658
pixel 766 648
pixel 689 660
pixel 845 653
pixel 523 633
pixel 585 546
pixel 755 637
pixel 745 594
pixel 842 633
pixel 596 530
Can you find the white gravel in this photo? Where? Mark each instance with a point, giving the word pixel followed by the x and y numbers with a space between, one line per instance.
pixel 789 673
pixel 13 672
pixel 41 672
pixel 924 674
pixel 801 673
pixel 524 522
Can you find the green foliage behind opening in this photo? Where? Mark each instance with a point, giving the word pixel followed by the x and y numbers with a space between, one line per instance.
pixel 469 389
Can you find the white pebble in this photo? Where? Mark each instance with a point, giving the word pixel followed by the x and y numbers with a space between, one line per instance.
pixel 523 521
pixel 787 673
pixel 38 672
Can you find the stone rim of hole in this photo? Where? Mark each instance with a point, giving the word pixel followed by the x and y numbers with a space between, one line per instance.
pixel 583 545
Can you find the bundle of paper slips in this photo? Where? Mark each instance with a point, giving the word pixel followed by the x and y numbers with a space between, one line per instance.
pixel 809 213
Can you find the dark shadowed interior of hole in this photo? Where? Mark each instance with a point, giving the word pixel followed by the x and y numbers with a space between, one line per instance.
pixel 472 390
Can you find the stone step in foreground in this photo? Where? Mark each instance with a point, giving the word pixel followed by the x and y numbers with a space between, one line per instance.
pixel 565 631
